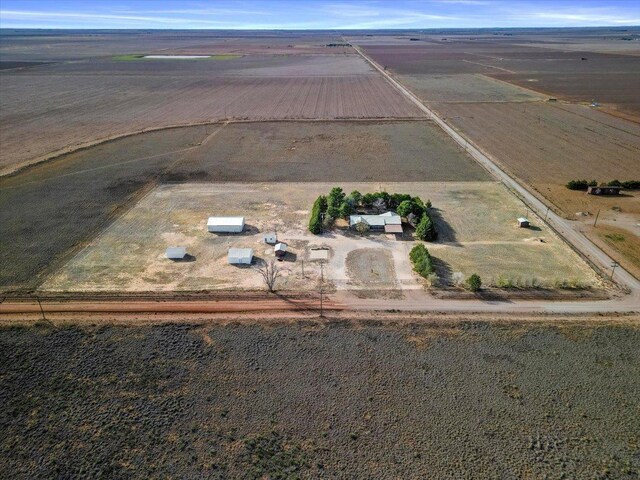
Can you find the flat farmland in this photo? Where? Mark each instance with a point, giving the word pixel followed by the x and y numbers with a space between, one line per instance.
pixel 548 144
pixel 57 108
pixel 465 88
pixel 412 398
pixel 617 92
pixel 51 208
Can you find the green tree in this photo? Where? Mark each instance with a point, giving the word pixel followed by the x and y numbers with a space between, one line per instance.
pixel 334 201
pixel 346 209
pixel 362 228
pixel 474 282
pixel 425 230
pixel 405 208
pixel 319 207
pixel 355 198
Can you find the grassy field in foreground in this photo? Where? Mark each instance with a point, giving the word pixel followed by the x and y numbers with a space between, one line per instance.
pixel 320 400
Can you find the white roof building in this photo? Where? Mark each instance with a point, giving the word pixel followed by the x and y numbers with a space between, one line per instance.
pixel 523 222
pixel 280 249
pixel 270 237
pixel 391 222
pixel 176 253
pixel 240 256
pixel 225 224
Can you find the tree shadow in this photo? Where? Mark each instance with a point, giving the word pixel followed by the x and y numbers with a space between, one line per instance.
pixel 289 257
pixel 443 270
pixel 446 233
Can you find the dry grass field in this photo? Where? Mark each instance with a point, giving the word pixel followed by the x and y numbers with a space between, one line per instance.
pixel 75 104
pixel 465 88
pixel 476 224
pixel 546 144
pixel 336 399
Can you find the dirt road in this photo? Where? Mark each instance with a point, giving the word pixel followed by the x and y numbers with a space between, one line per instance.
pixel 563 227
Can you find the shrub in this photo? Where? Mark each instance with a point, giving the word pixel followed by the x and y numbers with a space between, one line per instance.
pixel 421 260
pixel 346 209
pixel 319 207
pixel 577 185
pixel 396 199
pixel 426 230
pixel 413 205
pixel 631 184
pixel 474 282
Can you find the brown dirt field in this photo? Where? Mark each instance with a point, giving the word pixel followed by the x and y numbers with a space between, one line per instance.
pixel 543 143
pixel 620 244
pixel 73 108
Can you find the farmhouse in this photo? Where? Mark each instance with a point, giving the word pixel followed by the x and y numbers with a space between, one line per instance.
pixel 603 190
pixel 225 224
pixel 240 256
pixel 390 222
pixel 176 253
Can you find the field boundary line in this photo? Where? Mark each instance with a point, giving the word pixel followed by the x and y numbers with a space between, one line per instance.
pixel 12 170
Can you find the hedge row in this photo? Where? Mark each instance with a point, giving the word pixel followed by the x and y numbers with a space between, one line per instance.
pixel 583 184
pixel 421 260
pixel 319 207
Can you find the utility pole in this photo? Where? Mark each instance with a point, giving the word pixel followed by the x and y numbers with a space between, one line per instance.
pixel 596 220
pixel 302 268
pixel 321 306
pixel 545 215
pixel 41 309
pixel 613 268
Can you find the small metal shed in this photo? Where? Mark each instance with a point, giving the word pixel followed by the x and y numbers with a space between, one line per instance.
pixel 523 222
pixel 240 256
pixel 176 253
pixel 271 238
pixel 280 249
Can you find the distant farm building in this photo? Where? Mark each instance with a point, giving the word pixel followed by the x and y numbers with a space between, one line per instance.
pixel 176 253
pixel 390 222
pixel 523 222
pixel 603 190
pixel 240 256
pixel 280 249
pixel 225 224
pixel 271 238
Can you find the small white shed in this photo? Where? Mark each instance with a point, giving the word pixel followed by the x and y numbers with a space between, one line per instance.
pixel 523 222
pixel 271 238
pixel 176 253
pixel 280 249
pixel 225 224
pixel 240 256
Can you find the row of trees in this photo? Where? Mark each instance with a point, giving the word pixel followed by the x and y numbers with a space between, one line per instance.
pixel 421 260
pixel 584 184
pixel 340 205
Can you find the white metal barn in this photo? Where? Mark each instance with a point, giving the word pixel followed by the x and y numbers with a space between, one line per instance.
pixel 225 224
pixel 176 253
pixel 240 256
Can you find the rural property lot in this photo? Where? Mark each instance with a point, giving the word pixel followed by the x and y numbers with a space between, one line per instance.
pixel 476 224
pixel 76 104
pixel 55 206
pixel 333 399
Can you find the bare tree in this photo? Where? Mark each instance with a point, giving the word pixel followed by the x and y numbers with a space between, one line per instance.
pixel 270 273
pixel 379 205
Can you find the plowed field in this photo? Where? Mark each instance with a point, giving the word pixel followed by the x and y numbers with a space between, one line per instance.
pixel 53 111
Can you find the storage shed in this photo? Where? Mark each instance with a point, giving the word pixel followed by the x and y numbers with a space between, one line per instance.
pixel 176 253
pixel 240 256
pixel 225 224
pixel 271 238
pixel 523 222
pixel 280 249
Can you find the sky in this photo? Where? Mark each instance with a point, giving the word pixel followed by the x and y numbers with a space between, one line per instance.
pixel 315 14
